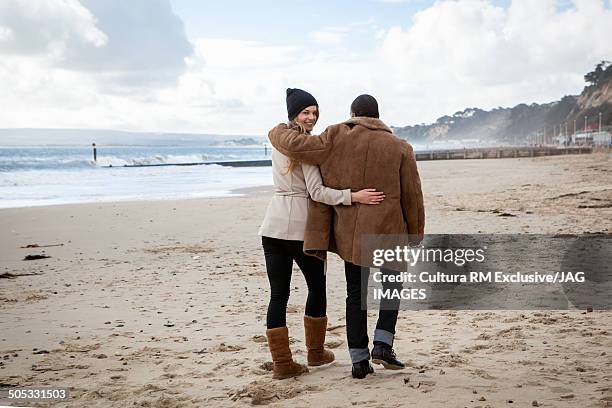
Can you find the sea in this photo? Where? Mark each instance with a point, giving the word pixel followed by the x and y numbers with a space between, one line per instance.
pixel 66 174
pixel 50 175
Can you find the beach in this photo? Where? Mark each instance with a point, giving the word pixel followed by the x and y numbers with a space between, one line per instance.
pixel 162 303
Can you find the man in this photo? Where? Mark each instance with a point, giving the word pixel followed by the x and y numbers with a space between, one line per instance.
pixel 361 152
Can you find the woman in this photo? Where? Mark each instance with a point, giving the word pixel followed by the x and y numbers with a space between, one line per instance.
pixel 282 234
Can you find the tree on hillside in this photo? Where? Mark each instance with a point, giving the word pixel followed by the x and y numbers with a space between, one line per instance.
pixel 602 71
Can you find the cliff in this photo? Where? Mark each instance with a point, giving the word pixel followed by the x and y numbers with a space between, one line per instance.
pixel 518 124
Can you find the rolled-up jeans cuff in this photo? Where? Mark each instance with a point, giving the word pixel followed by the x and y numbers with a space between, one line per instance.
pixel 384 336
pixel 359 354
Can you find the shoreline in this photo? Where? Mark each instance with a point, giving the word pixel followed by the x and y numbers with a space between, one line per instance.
pixel 260 189
pixel 233 193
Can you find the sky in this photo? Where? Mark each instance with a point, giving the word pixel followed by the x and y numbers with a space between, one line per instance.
pixel 223 66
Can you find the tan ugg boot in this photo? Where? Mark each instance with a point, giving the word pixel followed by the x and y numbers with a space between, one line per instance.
pixel 284 366
pixel 315 328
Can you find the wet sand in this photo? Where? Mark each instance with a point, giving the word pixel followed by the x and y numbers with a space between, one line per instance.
pixel 162 303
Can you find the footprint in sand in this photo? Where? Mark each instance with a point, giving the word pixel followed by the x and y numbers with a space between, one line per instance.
pixel 334 343
pixel 482 374
pixel 228 363
pixel 225 348
pixel 267 392
pixel 294 309
pixel 267 366
pixel 335 328
pixel 424 386
pixel 511 332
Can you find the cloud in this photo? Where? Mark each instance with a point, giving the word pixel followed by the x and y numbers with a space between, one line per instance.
pixel 335 35
pixel 329 36
pixel 127 43
pixel 32 27
pixel 221 53
pixel 146 40
pixel 89 70
pixel 472 53
pixel 6 35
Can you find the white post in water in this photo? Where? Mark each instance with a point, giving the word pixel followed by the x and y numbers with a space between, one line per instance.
pixel 95 153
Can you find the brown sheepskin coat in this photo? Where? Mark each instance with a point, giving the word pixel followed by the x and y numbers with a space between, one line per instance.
pixel 359 153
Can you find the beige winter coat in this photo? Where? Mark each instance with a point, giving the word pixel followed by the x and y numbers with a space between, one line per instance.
pixel 288 209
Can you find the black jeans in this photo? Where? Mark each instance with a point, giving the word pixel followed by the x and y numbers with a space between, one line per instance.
pixel 280 254
pixel 356 316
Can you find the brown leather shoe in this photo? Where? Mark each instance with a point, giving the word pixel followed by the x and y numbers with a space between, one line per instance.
pixel 284 366
pixel 315 328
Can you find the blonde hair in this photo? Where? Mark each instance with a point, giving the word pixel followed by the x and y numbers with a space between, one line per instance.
pixel 293 124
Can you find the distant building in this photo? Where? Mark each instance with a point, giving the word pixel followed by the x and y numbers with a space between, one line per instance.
pixel 582 138
pixel 592 138
pixel 561 139
pixel 603 138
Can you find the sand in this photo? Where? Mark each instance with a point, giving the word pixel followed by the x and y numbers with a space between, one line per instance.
pixel 162 304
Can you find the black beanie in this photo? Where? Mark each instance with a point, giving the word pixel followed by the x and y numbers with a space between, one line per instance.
pixel 298 100
pixel 365 105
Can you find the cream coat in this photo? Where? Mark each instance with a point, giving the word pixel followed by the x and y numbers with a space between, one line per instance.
pixel 287 212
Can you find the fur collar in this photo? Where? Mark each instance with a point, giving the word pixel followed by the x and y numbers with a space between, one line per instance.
pixel 370 123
